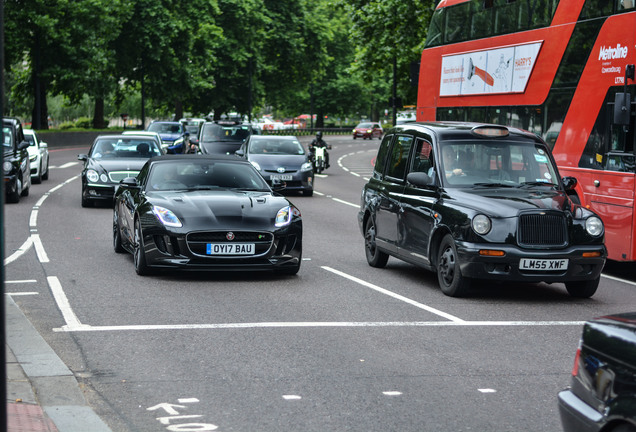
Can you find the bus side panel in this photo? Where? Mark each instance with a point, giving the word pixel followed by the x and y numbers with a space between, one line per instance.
pixel 613 201
pixel 608 193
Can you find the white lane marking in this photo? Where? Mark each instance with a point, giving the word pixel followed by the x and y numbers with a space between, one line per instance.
pixel 23 293
pixel 70 318
pixel 291 397
pixel 39 249
pixel 394 295
pixel 66 165
pixel 392 393
pixel 21 281
pixel 487 390
pixel 326 324
pixel 18 253
pixel 619 279
pixel 33 220
pixel 345 202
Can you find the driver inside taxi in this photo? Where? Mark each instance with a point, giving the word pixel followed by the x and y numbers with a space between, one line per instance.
pixel 450 162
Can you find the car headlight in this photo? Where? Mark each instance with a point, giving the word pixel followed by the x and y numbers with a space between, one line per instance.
pixel 594 226
pixel 7 167
pixel 256 165
pixel 285 215
pixel 32 158
pixel 92 176
pixel 306 167
pixel 104 178
pixel 481 224
pixel 167 217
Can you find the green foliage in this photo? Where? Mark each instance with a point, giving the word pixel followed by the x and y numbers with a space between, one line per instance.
pixel 331 57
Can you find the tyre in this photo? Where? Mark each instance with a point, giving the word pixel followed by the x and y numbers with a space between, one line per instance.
pixel 38 178
pixel 13 196
pixel 139 255
pixel 27 189
pixel 375 257
pixel 308 192
pixel 117 234
pixel 449 275
pixel 582 289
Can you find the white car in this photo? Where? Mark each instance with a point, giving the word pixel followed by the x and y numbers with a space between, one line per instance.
pixel 269 124
pixel 38 156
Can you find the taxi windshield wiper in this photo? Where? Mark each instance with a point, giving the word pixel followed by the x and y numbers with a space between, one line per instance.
pixel 536 183
pixel 493 185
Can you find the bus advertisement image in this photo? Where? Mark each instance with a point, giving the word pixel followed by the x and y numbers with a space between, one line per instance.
pixel 561 69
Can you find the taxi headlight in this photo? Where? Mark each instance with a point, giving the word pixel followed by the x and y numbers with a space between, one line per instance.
pixel 92 176
pixel 7 167
pixel 594 226
pixel 166 217
pixel 482 224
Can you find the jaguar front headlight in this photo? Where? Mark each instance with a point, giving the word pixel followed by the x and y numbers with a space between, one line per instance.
pixel 92 176
pixel 166 217
pixel 481 224
pixel 283 217
pixel 594 226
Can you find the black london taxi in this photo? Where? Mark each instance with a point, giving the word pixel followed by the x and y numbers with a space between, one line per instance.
pixel 476 201
pixel 16 164
pixel 602 391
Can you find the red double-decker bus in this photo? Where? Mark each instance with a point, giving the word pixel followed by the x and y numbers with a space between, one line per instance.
pixel 561 69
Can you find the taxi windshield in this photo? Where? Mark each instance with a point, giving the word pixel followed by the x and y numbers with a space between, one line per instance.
pixel 497 163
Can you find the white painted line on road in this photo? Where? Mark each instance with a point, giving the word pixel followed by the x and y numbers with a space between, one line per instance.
pixel 394 295
pixel 18 253
pixel 291 397
pixel 33 220
pixel 66 165
pixel 39 249
pixel 345 202
pixel 21 281
pixel 72 322
pixel 326 324
pixel 29 293
pixel 487 390
pixel 619 279
pixel 392 393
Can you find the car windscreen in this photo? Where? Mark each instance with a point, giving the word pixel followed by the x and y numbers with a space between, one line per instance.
pixel 364 126
pixel 276 146
pixel 204 175
pixel 216 132
pixel 111 148
pixel 496 163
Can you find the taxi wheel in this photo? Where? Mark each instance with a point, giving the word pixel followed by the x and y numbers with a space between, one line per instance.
pixel 449 274
pixel 140 254
pixel 375 257
pixel 582 289
pixel 117 234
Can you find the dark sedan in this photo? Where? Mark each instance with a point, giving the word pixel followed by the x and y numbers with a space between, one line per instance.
pixel 602 393
pixel 110 159
pixel 474 201
pixel 280 159
pixel 16 164
pixel 198 212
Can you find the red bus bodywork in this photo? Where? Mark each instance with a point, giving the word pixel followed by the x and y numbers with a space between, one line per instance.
pixel 609 193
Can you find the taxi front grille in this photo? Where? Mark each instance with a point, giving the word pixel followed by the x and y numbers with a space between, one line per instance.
pixel 541 230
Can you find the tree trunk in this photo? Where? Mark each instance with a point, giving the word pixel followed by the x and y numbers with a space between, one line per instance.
pixel 178 110
pixel 98 118
pixel 40 113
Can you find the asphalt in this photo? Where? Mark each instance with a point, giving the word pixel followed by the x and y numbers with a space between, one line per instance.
pixel 42 394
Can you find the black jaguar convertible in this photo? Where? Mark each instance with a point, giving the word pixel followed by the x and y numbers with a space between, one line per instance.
pixel 199 212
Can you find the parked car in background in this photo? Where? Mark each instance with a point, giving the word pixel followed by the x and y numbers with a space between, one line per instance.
pixel 602 391
pixel 368 130
pixel 173 134
pixel 38 156
pixel 267 124
pixel 16 165
pixel 478 202
pixel 111 159
pixel 280 159
pixel 223 136
pixel 202 212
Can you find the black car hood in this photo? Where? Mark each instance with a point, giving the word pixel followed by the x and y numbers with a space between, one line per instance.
pixel 117 164
pixel 228 209
pixel 271 162
pixel 508 202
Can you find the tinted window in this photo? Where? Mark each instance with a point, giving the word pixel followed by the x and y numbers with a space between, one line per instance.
pixel 380 160
pixel 399 156
pixel 8 137
pixel 216 132
pixel 204 174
